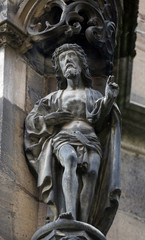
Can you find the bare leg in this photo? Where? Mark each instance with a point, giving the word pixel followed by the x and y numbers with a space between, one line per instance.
pixel 89 182
pixel 68 158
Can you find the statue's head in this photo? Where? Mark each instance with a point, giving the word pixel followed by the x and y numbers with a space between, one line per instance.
pixel 77 50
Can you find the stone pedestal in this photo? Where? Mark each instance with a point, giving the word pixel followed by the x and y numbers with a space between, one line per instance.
pixel 64 229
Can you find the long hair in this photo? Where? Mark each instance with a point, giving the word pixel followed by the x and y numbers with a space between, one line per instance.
pixel 85 73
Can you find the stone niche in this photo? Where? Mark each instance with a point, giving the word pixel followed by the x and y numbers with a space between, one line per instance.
pixel 26 76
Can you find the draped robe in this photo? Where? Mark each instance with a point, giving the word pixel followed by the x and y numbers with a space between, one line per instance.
pixel 39 152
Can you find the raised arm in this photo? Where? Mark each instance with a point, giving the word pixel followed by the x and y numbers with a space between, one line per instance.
pixel 103 105
pixel 111 92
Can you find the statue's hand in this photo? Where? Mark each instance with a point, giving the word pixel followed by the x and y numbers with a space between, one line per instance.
pixel 112 88
pixel 58 117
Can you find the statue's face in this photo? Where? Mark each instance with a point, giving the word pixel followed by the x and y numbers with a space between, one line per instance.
pixel 69 63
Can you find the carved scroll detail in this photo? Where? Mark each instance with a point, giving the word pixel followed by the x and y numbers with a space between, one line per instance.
pixel 96 21
pixel 12 36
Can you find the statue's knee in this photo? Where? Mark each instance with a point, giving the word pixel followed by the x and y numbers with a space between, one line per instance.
pixel 72 160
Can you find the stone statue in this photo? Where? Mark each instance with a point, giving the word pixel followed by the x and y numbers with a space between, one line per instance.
pixel 72 142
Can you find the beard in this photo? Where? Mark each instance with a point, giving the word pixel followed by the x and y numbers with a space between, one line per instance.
pixel 70 73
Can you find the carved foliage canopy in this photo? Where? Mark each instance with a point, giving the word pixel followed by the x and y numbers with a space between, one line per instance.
pixel 59 21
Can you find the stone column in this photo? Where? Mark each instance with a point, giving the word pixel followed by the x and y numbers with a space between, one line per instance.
pixel 18 193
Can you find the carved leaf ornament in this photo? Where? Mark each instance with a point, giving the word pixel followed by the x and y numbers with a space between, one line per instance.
pixel 96 20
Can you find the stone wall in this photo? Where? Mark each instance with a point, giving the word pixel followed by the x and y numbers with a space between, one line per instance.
pixel 22 83
pixel 22 211
pixel 138 86
pixel 18 193
pixel 130 219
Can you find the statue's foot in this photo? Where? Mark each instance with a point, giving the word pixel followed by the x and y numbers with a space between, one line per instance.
pixel 66 215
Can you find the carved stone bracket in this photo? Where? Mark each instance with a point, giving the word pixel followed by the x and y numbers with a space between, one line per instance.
pixel 67 229
pixel 94 21
pixel 14 37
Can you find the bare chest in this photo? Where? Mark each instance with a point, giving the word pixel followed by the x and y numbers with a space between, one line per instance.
pixel 74 101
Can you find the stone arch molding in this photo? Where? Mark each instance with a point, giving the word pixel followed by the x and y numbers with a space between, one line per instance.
pixel 94 21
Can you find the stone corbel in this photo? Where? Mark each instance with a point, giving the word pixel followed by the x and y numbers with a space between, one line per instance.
pixel 14 37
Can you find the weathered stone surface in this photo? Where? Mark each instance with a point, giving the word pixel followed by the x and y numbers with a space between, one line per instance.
pixel 18 193
pixel 127 226
pixel 14 78
pixel 2 56
pixel 129 22
pixel 133 182
pixel 12 147
pixel 6 204
pixel 35 87
pixel 130 220
pixel 138 71
pixel 42 211
pixel 17 207
pixel 25 206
